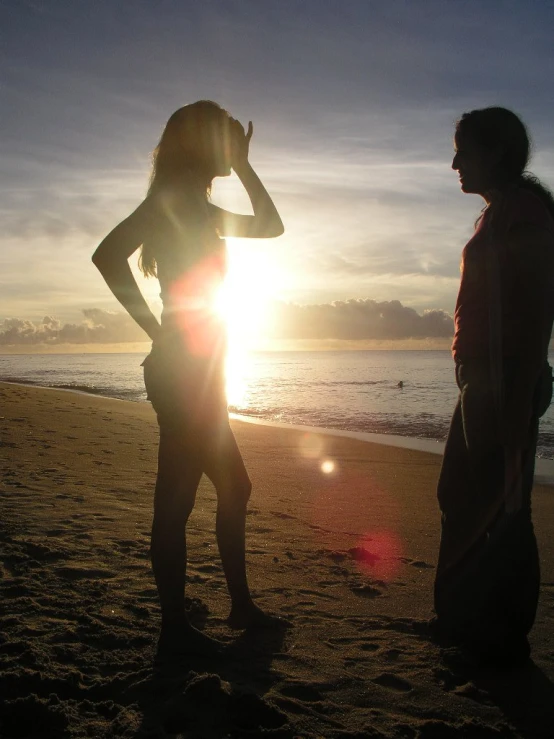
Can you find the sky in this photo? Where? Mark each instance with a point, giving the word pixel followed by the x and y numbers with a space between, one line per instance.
pixel 353 103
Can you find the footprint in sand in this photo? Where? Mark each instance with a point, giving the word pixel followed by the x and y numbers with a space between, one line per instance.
pixel 126 545
pixel 360 554
pixel 147 593
pixel 393 682
pixel 340 640
pixel 318 594
pixel 302 691
pixel 335 556
pixel 44 553
pixel 138 611
pixel 369 647
pixel 196 578
pixel 341 572
pixel 78 573
pixel 207 568
pixel 280 514
pixel 365 591
pixel 13 483
pixel 404 626
pixel 419 563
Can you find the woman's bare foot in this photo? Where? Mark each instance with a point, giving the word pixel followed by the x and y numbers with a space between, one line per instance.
pixel 186 640
pixel 252 617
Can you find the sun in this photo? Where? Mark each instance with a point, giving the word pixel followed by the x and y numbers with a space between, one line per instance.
pixel 244 298
pixel 243 301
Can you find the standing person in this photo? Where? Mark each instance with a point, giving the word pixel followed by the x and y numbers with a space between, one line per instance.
pixel 487 580
pixel 181 238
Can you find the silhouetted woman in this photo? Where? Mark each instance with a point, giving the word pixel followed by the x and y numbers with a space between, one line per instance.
pixel 181 234
pixel 487 580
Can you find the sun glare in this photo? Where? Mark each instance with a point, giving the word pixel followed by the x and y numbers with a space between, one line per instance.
pixel 243 302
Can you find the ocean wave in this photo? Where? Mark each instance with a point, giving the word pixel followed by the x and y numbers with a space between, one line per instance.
pixel 89 389
pixel 105 391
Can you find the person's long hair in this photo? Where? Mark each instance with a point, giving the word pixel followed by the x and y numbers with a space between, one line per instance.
pixel 500 129
pixel 188 149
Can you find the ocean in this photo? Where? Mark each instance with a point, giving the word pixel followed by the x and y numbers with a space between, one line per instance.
pixel 350 391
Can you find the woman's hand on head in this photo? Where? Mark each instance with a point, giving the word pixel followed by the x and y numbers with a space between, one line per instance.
pixel 240 143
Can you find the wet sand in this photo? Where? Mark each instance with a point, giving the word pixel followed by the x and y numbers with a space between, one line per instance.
pixel 342 540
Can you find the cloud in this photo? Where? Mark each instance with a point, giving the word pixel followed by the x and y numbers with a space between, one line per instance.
pixel 98 327
pixel 358 320
pixel 350 320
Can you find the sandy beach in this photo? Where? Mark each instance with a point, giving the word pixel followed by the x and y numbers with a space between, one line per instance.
pixel 342 540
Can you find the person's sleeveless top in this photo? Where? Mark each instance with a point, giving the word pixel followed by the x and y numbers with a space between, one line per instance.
pixel 191 267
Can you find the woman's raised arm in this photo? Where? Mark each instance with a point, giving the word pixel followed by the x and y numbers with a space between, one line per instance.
pixel 266 222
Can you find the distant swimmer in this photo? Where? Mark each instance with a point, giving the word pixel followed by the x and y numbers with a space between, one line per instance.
pixel 400 384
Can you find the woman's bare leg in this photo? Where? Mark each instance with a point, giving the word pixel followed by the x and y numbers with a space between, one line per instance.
pixel 223 464
pixel 178 476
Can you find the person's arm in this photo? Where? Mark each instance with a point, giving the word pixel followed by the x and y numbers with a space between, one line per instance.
pixel 531 249
pixel 266 222
pixel 111 258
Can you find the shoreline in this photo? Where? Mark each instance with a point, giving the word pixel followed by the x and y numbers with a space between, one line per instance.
pixel 544 468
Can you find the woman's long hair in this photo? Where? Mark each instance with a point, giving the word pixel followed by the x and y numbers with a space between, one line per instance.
pixel 191 144
pixel 501 129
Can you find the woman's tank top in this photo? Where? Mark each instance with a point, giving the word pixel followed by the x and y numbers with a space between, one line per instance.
pixel 191 266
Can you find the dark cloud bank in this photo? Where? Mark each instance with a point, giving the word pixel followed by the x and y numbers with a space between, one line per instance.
pixel 357 320
pixel 98 327
pixel 350 320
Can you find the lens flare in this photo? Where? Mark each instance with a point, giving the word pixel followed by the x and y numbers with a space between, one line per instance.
pixel 311 446
pixel 192 305
pixel 379 554
pixel 328 466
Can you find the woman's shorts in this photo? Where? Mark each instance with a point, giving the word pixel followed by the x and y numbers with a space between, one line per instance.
pixel 187 393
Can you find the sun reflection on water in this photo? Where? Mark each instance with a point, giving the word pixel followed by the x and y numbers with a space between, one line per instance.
pixel 236 382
